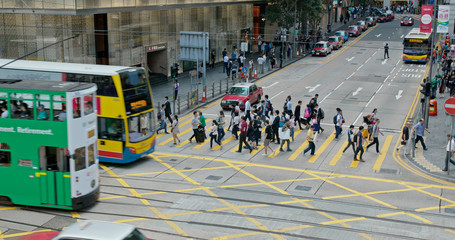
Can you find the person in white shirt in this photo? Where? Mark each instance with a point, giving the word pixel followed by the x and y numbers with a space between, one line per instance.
pixel 5 112
pixel 248 109
pixel 225 62
pixel 450 148
pixel 260 63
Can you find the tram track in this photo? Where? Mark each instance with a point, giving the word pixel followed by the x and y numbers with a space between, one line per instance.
pixel 297 208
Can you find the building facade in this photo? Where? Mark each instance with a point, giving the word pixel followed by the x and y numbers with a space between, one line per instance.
pixel 119 32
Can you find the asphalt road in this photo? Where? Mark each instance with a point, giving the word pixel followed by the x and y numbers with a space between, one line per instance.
pixel 188 191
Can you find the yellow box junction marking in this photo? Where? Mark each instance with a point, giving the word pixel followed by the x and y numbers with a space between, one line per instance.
pixel 384 149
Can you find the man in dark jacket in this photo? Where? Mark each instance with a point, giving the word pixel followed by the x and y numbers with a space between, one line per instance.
pixel 276 126
pixel 168 109
pixel 297 113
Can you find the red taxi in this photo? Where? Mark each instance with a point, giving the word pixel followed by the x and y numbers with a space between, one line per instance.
pixel 336 42
pixel 370 21
pixel 362 25
pixel 407 21
pixel 354 31
pixel 239 93
pixel 321 48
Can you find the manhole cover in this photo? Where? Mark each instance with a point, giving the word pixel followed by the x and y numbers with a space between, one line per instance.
pixel 354 64
pixel 360 52
pixel 302 188
pixel 187 168
pixel 363 49
pixel 388 170
pixel 212 177
pixel 353 98
pixel 172 159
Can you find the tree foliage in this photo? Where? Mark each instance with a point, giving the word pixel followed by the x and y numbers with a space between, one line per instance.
pixel 282 12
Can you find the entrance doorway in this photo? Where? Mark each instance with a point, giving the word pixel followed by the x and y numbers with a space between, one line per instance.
pixel 157 64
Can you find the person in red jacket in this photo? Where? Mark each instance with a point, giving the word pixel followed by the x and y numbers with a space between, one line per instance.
pixel 242 139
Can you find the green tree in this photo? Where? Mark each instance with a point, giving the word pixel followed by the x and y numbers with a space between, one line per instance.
pixel 281 12
pixel 311 12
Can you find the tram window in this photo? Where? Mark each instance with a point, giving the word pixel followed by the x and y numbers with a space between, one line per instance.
pixel 42 97
pixel 91 154
pixel 59 111
pixel 3 95
pixel 21 96
pixel 79 158
pixel 5 155
pixel 111 129
pixel 76 107
pixel 88 104
pixel 24 111
pixel 43 110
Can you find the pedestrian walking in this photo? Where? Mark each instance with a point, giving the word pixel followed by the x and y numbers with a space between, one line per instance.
pixel 176 88
pixel 307 115
pixel 194 125
pixel 358 140
pixel 268 137
pixel 234 68
pixel 375 135
pixel 386 50
pixel 268 106
pixel 168 111
pixel 350 140
pixel 310 139
pixel 261 64
pixel 297 111
pixel 338 121
pixel 162 118
pixel 220 123
pixel 212 57
pixel 293 126
pixel 235 125
pixel 319 116
pixel 250 134
pixel 285 135
pixel 418 131
pixel 450 148
pixel 242 138
pixel 288 105
pixel 175 129
pixel 248 109
pixel 276 126
pixel 213 134
pixel 404 136
pixel 225 63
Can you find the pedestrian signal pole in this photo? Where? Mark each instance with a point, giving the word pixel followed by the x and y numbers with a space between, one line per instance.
pixel 430 79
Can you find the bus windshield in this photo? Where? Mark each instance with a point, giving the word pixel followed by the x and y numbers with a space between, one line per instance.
pixel 415 47
pixel 135 91
pixel 139 127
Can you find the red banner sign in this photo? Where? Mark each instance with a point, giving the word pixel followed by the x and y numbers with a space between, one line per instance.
pixel 426 18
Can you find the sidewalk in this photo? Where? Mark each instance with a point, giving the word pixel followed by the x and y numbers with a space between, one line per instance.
pixel 217 82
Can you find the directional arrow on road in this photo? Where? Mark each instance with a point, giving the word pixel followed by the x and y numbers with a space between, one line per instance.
pixel 402 36
pixel 357 91
pixel 398 96
pixel 310 89
pixel 349 59
pixel 384 62
pixel 271 85
pixel 378 35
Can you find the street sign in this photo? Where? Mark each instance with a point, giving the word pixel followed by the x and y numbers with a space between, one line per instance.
pixel 194 46
pixel 449 106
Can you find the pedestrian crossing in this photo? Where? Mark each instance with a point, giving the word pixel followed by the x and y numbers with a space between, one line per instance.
pixel 328 148
pixel 401 16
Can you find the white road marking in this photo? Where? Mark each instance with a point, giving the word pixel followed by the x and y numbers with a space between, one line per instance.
pixel 374 53
pixel 378 35
pixel 402 36
pixel 326 96
pixel 390 85
pixel 350 76
pixel 384 61
pixel 379 88
pixel 276 95
pixel 359 67
pixel 360 114
pixel 350 59
pixel 371 99
pixel 399 60
pixel 338 86
pixel 357 91
pixel 313 88
pixel 273 84
pixel 368 60
pixel 393 69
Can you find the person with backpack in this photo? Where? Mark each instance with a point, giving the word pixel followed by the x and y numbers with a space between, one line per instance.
pixel 351 142
pixel 220 123
pixel 358 140
pixel 310 139
pixel 276 126
pixel 307 115
pixel 228 68
pixel 268 137
pixel 162 118
pixel 338 120
pixel 375 136
pixel 268 106
pixel 234 68
pixel 297 113
pixel 320 115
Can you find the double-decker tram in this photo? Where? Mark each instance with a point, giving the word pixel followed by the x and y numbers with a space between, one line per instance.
pixel 48 143
pixel 125 108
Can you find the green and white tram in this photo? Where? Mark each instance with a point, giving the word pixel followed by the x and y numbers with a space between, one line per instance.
pixel 48 140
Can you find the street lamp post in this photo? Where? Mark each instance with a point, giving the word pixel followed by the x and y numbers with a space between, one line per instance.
pixel 427 99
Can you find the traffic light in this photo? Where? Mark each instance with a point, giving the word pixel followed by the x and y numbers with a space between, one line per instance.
pixel 175 70
pixel 426 89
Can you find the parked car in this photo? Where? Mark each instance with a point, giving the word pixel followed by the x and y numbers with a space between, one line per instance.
pixel 354 31
pixel 382 18
pixel 239 93
pixel 91 229
pixel 407 21
pixel 336 42
pixel 322 48
pixel 362 25
pixel 370 21
pixel 343 34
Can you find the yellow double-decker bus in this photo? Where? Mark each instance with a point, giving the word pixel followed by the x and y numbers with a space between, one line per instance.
pixel 417 46
pixel 124 103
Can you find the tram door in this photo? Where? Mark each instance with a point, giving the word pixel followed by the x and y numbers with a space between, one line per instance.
pixel 55 179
